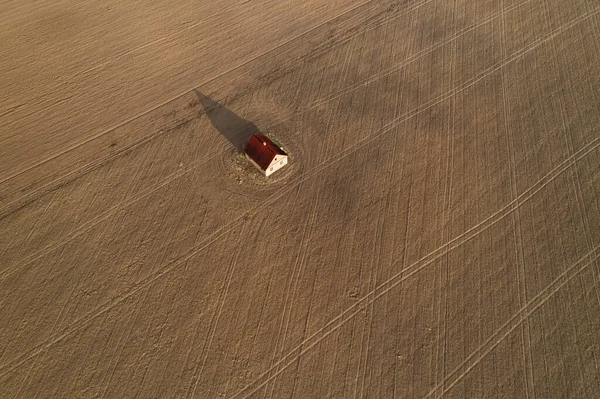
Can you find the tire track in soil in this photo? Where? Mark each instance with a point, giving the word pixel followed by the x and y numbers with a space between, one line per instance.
pixel 386 204
pixel 568 136
pixel 78 324
pixel 363 358
pixel 407 211
pixel 264 304
pixel 161 39
pixel 441 344
pixel 297 269
pixel 518 318
pixel 120 347
pixel 516 225
pixel 103 216
pixel 73 175
pixel 214 322
pixel 84 170
pixel 306 322
pixel 293 285
pixel 394 239
pixel 65 179
pixel 57 183
pixel 55 327
pixel 576 179
pixel 236 352
pixel 33 228
pixel 414 268
pixel 265 53
pixel 162 331
pixel 374 268
pixel 596 30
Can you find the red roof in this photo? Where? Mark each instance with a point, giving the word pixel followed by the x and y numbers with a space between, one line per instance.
pixel 262 150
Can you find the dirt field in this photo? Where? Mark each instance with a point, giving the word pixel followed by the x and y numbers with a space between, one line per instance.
pixel 436 235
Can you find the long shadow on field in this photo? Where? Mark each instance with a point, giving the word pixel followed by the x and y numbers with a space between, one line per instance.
pixel 235 129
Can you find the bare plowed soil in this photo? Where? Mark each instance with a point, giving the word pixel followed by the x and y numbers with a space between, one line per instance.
pixel 436 234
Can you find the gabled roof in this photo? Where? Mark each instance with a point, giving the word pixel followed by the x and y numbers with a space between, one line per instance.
pixel 262 150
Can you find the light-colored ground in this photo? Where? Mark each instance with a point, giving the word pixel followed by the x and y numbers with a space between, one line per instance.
pixel 436 235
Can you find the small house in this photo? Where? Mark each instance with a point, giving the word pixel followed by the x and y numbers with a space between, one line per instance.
pixel 265 154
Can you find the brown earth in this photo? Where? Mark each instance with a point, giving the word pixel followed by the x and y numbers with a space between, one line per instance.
pixel 436 235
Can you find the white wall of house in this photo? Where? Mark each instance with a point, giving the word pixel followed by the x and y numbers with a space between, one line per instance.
pixel 278 162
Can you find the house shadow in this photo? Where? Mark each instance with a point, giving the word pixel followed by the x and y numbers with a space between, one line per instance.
pixel 235 129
